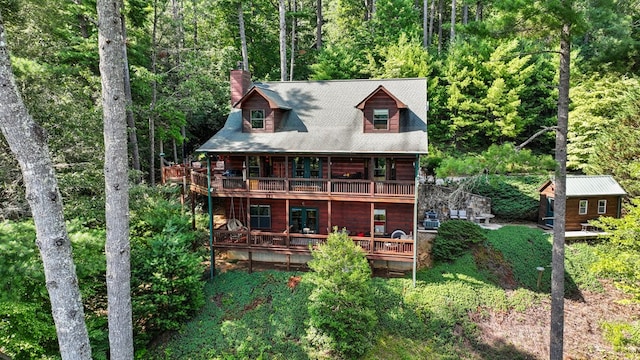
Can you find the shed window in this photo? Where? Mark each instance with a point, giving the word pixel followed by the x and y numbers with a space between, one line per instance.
pixel 260 216
pixel 381 119
pixel 257 119
pixel 582 207
pixel 602 206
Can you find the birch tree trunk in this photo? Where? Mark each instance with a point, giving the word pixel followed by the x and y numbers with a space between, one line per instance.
pixel 560 201
pixel 117 247
pixel 452 34
pixel 283 42
pixel 425 23
pixel 319 21
pixel 243 38
pixel 154 96
pixel 27 141
pixel 131 124
pixel 431 19
pixel 440 25
pixel 293 40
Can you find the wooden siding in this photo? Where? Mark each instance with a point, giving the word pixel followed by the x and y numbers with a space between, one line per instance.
pixel 356 217
pixel 255 101
pixel 573 217
pixel 381 101
pixel 405 169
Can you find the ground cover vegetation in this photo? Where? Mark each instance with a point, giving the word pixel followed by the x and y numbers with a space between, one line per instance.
pixel 268 314
pixel 166 274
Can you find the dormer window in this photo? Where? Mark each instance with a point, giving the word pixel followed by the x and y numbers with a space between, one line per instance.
pixel 381 119
pixel 257 119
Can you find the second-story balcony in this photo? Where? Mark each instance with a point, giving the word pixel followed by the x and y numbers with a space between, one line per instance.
pixel 222 186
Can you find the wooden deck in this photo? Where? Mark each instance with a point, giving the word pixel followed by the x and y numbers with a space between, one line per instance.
pixel 282 243
pixel 290 188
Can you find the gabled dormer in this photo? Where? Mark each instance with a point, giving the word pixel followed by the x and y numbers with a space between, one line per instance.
pixel 262 110
pixel 382 111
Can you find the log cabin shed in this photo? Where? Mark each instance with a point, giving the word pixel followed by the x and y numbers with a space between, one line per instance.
pixel 588 197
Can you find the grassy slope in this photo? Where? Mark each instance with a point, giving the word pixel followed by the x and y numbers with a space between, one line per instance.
pixel 258 316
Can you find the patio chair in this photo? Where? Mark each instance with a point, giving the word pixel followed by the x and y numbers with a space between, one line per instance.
pixel 453 214
pixel 462 214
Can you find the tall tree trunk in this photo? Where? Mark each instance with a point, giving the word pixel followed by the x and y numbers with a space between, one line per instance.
pixel 195 24
pixel 243 38
pixel 319 21
pixel 465 14
pixel 479 11
pixel 131 124
pixel 178 20
pixel 452 34
pixel 27 141
pixel 174 147
pixel 154 96
pixel 294 21
pixel 283 42
pixel 440 25
pixel 431 20
pixel 117 247
pixel 82 22
pixel 425 23
pixel 560 200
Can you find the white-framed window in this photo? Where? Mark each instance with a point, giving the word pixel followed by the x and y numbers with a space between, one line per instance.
pixel 602 206
pixel 582 207
pixel 260 216
pixel 381 119
pixel 257 119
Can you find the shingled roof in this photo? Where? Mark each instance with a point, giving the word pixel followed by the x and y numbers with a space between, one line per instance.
pixel 324 119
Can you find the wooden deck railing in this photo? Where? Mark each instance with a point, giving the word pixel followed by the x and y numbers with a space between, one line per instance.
pixel 278 241
pixel 316 186
pixel 198 179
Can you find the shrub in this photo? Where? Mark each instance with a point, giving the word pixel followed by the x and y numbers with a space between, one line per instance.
pixel 342 315
pixel 166 274
pixel 454 239
pixel 512 197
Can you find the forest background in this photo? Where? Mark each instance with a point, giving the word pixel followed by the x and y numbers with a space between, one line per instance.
pixel 491 66
pixel 492 75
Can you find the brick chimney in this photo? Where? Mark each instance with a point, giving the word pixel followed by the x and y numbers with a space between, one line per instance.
pixel 240 83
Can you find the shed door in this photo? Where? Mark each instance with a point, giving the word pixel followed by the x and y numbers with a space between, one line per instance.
pixel 549 215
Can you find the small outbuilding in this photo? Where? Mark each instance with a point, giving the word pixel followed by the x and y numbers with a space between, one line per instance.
pixel 588 198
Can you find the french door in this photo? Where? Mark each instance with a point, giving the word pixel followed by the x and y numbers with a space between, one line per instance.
pixel 304 220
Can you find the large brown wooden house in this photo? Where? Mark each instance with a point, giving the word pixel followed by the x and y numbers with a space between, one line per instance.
pixel 296 159
pixel 588 197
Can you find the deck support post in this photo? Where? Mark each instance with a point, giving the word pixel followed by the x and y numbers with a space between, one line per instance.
pixel 288 262
pixel 192 196
pixel 416 188
pixel 250 262
pixel 210 201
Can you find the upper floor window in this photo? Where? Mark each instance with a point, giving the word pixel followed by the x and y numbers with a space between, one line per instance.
pixel 254 166
pixel 582 207
pixel 257 119
pixel 381 119
pixel 602 206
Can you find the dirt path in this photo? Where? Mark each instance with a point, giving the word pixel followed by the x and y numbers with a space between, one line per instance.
pixel 528 331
